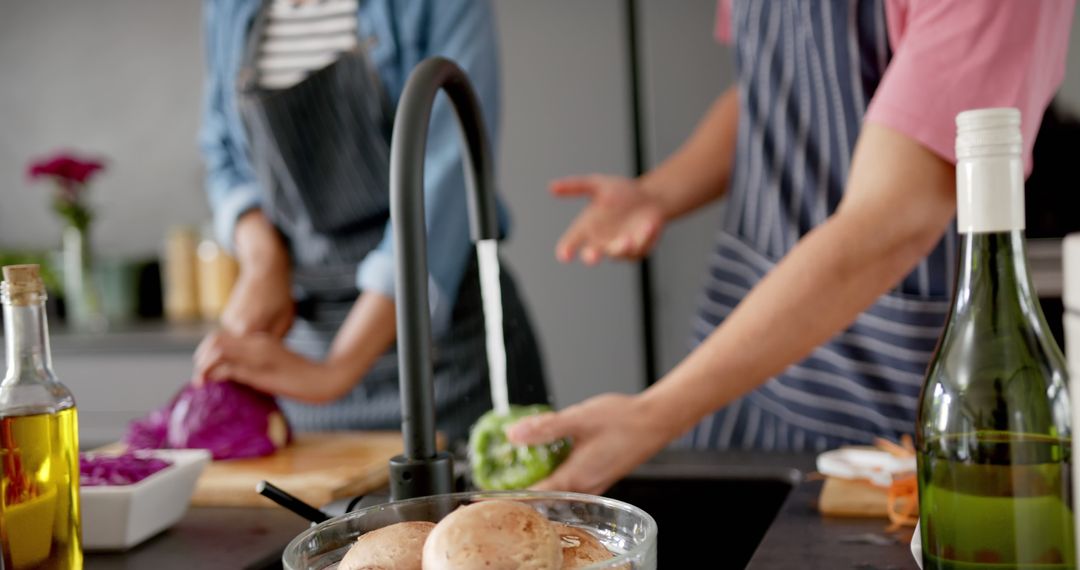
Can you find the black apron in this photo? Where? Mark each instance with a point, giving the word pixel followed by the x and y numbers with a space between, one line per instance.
pixel 320 149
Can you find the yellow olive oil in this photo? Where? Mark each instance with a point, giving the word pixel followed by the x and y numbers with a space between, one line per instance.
pixel 39 492
pixel 39 438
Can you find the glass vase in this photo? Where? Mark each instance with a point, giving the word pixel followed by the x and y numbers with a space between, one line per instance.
pixel 81 298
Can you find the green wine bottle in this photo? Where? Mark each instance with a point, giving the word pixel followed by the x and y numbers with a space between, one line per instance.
pixel 993 430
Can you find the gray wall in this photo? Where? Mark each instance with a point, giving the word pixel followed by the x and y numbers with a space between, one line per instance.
pixel 683 69
pixel 566 112
pixel 1070 89
pixel 118 78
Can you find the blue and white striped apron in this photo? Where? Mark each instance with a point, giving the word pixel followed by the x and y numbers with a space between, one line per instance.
pixel 806 72
pixel 321 151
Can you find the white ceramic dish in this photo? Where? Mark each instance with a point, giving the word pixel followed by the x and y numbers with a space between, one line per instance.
pixel 118 517
pixel 869 463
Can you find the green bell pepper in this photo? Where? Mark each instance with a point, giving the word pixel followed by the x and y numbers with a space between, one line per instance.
pixel 498 465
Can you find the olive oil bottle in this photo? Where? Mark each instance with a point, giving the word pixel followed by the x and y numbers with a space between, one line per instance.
pixel 39 447
pixel 993 430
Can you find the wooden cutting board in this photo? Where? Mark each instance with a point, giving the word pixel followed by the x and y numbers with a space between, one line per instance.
pixel 855 499
pixel 317 468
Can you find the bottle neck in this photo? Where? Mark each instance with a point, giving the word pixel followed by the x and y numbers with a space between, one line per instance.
pixel 990 219
pixel 26 335
pixel 994 264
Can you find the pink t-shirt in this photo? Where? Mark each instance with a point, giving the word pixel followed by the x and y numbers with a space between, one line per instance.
pixel 954 55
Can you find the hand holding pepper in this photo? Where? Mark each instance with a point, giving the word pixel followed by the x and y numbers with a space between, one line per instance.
pixel 498 464
pixel 612 434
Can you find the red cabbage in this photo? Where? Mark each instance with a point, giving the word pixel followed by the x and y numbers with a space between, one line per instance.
pixel 228 419
pixel 125 469
pixel 149 432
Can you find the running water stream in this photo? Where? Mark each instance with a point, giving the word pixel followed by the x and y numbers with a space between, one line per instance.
pixel 487 253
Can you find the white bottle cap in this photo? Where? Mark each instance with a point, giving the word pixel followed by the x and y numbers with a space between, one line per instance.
pixel 1071 262
pixel 989 171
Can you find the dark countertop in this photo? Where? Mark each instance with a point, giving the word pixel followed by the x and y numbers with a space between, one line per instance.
pixel 210 539
pixel 801 538
pixel 252 538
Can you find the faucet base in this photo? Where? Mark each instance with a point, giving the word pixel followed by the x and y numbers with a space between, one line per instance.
pixel 410 478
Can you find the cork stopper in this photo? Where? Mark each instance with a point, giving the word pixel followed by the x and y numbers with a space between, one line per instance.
pixel 22 285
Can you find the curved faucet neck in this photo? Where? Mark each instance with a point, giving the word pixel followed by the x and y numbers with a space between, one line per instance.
pixel 422 470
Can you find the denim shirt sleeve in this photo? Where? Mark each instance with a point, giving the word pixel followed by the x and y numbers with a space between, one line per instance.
pixel 463 31
pixel 230 182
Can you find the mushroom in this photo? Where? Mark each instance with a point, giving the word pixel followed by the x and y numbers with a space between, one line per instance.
pixel 493 535
pixel 579 547
pixel 395 547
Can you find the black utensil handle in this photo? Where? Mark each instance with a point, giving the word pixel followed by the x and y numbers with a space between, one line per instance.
pixel 290 502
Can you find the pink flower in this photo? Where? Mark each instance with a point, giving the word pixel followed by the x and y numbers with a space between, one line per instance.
pixel 70 175
pixel 66 168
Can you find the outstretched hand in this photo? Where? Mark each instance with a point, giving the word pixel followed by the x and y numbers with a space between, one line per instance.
pixel 621 221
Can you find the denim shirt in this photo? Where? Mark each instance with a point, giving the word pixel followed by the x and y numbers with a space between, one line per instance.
pixel 400 34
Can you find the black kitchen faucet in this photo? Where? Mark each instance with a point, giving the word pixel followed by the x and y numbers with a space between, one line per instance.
pixel 423 470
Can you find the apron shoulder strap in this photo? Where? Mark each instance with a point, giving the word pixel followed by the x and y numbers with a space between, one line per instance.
pixel 248 76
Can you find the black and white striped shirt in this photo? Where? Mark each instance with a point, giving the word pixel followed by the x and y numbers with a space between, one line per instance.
pixel 302 36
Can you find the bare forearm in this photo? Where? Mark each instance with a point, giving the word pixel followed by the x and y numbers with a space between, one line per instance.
pixel 818 290
pixel 898 206
pixel 261 301
pixel 366 334
pixel 698 172
pixel 258 245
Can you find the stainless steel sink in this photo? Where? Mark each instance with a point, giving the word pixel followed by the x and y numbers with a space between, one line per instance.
pixel 719 508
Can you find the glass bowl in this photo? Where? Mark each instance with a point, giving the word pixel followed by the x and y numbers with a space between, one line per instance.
pixel 624 529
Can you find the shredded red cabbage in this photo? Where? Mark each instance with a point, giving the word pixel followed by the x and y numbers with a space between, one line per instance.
pixel 228 419
pixel 125 469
